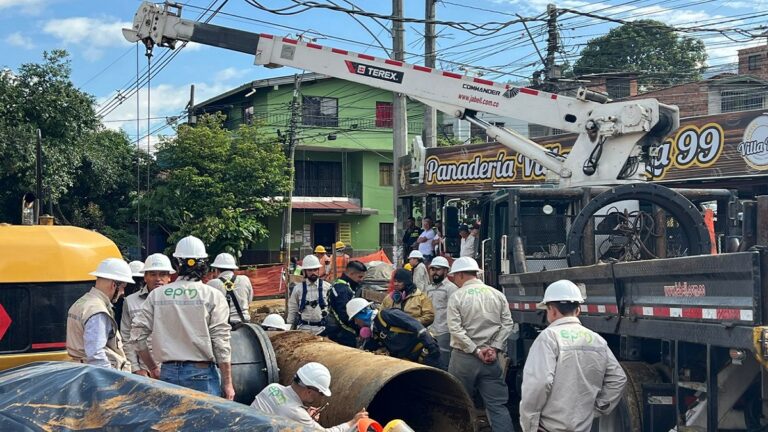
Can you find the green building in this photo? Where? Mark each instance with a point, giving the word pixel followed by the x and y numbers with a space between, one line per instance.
pixel 343 161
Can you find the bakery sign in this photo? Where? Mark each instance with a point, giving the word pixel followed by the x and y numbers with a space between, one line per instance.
pixel 501 166
pixel 733 144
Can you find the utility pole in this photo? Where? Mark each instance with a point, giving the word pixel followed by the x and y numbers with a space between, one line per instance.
pixel 191 117
pixel 430 57
pixel 552 72
pixel 291 152
pixel 399 121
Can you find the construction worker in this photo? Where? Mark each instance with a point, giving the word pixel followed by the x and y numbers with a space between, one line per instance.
pixel 307 306
pixel 342 291
pixel 92 334
pixel 188 321
pixel 480 323
pixel 570 374
pixel 274 322
pixel 236 288
pixel 439 291
pixel 419 270
pixel 299 400
pixel 401 335
pixel 157 272
pixel 324 259
pixel 425 239
pixel 136 285
pixel 341 260
pixel 409 299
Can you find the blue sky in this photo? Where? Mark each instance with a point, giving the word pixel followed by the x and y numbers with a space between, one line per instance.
pixel 103 62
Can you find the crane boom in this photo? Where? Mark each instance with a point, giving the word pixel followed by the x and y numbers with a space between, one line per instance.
pixel 614 138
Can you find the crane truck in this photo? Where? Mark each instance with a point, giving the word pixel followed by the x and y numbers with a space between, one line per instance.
pixel 690 330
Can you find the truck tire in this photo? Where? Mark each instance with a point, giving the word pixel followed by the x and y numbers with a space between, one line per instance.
pixel 677 206
pixel 628 415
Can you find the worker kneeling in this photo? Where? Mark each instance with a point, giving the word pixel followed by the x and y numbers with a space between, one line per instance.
pixel 401 334
pixel 299 401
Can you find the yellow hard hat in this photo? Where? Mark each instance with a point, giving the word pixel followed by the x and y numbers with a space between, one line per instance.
pixel 320 249
pixel 340 245
pixel 408 266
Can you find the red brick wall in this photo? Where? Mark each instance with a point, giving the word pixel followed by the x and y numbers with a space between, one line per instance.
pixel 761 70
pixel 691 98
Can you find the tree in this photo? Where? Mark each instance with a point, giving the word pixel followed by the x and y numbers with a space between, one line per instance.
pixel 218 185
pixel 41 96
pixel 649 48
pixel 89 173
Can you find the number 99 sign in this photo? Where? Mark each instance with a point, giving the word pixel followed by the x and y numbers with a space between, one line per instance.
pixel 693 146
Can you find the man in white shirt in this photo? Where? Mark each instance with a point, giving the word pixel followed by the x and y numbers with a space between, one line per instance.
pixel 157 272
pixel 298 401
pixel 439 291
pixel 92 334
pixel 236 288
pixel 480 324
pixel 570 375
pixel 467 242
pixel 425 239
pixel 307 307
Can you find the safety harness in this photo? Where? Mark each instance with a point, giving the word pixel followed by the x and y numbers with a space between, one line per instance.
pixel 229 287
pixel 333 313
pixel 320 302
pixel 417 349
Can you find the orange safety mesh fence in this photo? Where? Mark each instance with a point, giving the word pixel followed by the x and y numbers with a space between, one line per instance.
pixel 266 281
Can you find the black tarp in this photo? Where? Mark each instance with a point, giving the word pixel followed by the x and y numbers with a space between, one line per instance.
pixel 58 396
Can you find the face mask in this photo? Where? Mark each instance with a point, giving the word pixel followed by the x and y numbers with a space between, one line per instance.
pixel 313 278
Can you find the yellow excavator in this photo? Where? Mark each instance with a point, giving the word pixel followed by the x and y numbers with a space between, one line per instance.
pixel 43 270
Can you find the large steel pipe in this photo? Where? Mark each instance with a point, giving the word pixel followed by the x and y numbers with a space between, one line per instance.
pixel 427 399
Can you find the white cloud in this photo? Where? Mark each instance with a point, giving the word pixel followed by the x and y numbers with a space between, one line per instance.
pixel 94 36
pixel 19 40
pixel 230 73
pixel 28 7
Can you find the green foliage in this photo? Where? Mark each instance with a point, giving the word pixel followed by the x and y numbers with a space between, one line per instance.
pixel 41 96
pixel 216 184
pixel 88 172
pixel 649 48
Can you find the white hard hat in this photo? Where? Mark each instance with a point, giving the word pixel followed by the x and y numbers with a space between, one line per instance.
pixel 310 262
pixel 190 247
pixel 416 254
pixel 225 261
pixel 464 264
pixel 563 291
pixel 315 375
pixel 114 269
pixel 158 262
pixel 439 261
pixel 275 321
pixel 355 305
pixel 137 268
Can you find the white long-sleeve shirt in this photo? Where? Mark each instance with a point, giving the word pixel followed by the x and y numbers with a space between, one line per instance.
pixel 478 315
pixel 242 290
pixel 570 375
pixel 188 322
pixel 95 335
pixel 282 401
pixel 421 277
pixel 439 294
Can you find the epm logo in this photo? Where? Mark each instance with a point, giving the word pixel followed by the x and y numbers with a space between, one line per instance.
pixel 375 72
